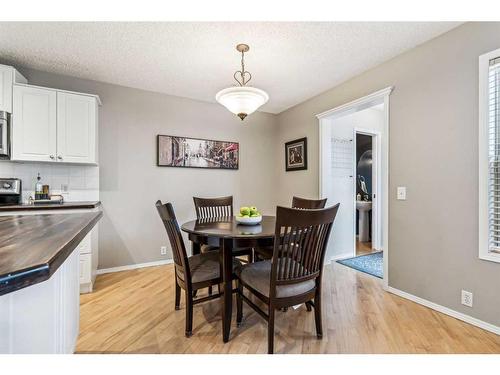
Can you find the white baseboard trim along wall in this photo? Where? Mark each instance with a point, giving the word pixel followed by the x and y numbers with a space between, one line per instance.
pixel 338 257
pixel 134 266
pixel 445 310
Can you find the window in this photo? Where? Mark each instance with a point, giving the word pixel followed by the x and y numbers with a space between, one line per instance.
pixel 489 157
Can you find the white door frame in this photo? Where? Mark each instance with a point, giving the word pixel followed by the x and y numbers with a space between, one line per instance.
pixel 376 184
pixel 378 97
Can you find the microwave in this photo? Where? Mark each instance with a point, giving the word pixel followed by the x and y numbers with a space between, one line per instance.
pixel 4 135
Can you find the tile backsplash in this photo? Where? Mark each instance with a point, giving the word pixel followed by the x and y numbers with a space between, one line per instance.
pixel 82 181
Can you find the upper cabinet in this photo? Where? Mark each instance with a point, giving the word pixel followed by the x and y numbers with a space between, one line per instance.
pixel 54 126
pixel 34 124
pixel 76 128
pixel 8 76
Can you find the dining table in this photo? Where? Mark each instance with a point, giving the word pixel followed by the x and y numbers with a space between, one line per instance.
pixel 227 234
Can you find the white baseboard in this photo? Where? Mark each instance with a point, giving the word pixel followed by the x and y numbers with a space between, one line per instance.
pixel 445 310
pixel 134 266
pixel 339 256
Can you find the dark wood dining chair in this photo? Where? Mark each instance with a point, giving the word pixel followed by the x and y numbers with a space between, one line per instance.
pixel 301 203
pixel 308 203
pixel 218 208
pixel 191 273
pixel 293 275
pixel 213 207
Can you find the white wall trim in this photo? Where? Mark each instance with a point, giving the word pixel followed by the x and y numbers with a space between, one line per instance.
pixel 381 96
pixel 445 310
pixel 355 103
pixel 135 266
pixel 339 256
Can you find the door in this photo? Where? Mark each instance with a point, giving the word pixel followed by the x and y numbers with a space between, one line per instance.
pixel 34 124
pixel 341 191
pixel 6 89
pixel 76 128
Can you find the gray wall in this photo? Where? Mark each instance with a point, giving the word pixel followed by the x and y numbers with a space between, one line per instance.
pixel 130 182
pixel 433 235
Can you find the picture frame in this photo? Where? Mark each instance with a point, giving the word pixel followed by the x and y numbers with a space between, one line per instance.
pixel 187 152
pixel 296 155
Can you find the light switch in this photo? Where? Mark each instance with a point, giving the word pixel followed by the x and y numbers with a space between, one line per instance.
pixel 401 193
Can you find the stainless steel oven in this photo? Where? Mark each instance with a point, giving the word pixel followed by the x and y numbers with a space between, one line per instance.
pixel 4 135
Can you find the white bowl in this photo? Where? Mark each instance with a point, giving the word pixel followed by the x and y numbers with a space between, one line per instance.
pixel 249 220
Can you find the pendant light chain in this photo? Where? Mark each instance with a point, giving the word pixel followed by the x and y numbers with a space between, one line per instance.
pixel 242 72
pixel 243 67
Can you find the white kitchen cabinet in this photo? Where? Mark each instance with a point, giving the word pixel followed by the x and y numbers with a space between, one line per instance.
pixel 8 76
pixel 54 125
pixel 34 124
pixel 85 271
pixel 89 253
pixel 76 128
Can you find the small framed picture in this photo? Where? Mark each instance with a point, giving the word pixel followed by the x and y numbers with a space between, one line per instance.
pixel 296 155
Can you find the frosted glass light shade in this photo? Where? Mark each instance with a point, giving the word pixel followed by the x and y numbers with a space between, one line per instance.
pixel 242 100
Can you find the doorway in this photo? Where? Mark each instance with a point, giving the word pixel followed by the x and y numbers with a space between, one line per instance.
pixel 365 172
pixel 361 224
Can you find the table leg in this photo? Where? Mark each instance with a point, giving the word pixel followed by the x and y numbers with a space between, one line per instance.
pixel 195 248
pixel 226 246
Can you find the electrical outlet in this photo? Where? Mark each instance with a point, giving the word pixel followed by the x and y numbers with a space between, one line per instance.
pixel 64 189
pixel 163 250
pixel 401 193
pixel 467 298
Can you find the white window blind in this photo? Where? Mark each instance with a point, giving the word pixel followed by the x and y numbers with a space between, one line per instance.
pixel 494 155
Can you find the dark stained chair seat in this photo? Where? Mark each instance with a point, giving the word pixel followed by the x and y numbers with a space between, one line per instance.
pixel 206 267
pixel 258 276
pixel 207 248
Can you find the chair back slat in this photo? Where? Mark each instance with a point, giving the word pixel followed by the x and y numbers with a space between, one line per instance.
pixel 301 239
pixel 308 203
pixel 213 207
pixel 167 215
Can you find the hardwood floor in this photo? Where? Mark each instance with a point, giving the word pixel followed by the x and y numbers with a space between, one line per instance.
pixel 133 312
pixel 363 248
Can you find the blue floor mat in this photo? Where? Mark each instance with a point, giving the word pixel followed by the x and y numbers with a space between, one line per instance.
pixel 372 264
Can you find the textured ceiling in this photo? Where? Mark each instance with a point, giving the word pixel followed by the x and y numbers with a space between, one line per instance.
pixel 292 61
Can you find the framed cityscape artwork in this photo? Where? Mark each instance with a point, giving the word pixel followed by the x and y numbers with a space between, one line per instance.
pixel 187 152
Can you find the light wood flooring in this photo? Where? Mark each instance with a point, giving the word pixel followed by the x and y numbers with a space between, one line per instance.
pixel 133 312
pixel 363 248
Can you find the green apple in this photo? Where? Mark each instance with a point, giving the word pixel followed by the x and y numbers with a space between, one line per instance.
pixel 246 216
pixel 253 210
pixel 245 211
pixel 254 215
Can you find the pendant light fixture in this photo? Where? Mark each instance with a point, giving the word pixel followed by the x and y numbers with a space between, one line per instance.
pixel 242 100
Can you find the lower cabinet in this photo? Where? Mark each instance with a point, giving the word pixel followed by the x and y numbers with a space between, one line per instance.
pixel 43 318
pixel 88 250
pixel 85 270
